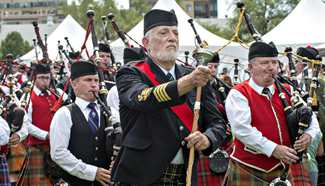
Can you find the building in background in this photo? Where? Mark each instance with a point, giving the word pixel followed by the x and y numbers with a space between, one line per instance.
pixel 27 11
pixel 205 8
pixel 195 8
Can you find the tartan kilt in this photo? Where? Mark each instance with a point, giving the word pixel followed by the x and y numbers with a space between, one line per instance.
pixel 238 174
pixel 4 172
pixel 321 170
pixel 35 173
pixel 174 175
pixel 299 175
pixel 205 176
pixel 15 160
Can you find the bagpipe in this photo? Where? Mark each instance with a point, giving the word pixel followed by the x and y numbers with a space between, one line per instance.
pixel 203 56
pixel 298 115
pixel 116 28
pixel 113 129
pixel 45 59
pixel 107 39
pixel 130 51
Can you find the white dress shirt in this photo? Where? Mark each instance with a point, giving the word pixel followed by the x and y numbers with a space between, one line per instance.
pixel 239 116
pixel 59 141
pixel 4 131
pixel 113 101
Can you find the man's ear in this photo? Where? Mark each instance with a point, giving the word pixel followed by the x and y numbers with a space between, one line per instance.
pixel 145 42
pixel 74 83
pixel 250 66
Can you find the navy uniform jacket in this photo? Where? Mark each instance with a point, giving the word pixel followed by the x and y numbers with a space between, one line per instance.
pixel 152 133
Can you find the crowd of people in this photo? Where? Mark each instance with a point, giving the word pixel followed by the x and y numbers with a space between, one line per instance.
pixel 90 122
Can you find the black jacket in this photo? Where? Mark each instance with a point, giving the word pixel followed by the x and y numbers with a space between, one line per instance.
pixel 152 133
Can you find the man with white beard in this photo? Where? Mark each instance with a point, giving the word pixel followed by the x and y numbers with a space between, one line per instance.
pixel 157 97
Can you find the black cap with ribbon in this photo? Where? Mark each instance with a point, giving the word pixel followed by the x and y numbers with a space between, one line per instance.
pixel 262 49
pixel 41 68
pixel 103 48
pixel 308 52
pixel 82 68
pixel 157 17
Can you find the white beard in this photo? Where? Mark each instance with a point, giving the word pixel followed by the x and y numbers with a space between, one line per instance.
pixel 167 55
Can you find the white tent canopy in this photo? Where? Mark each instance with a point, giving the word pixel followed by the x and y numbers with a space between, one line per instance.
pixel 304 25
pixel 68 28
pixel 186 34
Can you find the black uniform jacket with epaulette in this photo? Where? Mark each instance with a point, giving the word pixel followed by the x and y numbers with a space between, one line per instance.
pixel 152 133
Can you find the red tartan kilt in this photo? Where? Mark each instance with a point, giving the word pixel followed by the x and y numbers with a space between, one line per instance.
pixel 298 175
pixel 205 176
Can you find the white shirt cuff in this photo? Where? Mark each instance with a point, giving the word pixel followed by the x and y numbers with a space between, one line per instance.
pixel 43 135
pixel 90 173
pixel 269 147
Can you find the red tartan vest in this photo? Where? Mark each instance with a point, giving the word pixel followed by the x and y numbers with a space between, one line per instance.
pixel 263 119
pixel 41 114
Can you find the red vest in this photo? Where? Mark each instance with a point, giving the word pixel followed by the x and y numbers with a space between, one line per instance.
pixel 41 114
pixel 263 119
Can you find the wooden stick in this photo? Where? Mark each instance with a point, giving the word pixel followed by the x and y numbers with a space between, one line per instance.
pixel 194 128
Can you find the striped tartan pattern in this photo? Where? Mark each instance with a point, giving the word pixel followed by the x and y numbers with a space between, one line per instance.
pixel 174 175
pixel 4 172
pixel 35 174
pixel 15 160
pixel 239 174
pixel 298 175
pixel 205 176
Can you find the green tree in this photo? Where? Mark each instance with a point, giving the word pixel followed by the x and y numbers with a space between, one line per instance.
pixel 14 44
pixel 126 19
pixel 264 14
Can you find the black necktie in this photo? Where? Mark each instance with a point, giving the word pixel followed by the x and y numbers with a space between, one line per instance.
pixel 267 92
pixel 170 77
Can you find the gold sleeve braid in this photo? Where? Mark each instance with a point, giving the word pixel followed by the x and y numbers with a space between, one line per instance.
pixel 160 93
